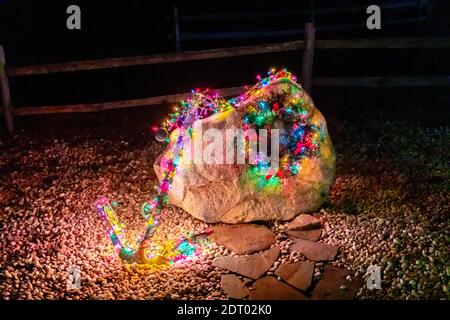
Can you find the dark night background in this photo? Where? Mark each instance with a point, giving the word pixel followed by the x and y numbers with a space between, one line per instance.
pixel 34 32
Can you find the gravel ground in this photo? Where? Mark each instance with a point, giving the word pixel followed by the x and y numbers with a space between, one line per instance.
pixel 388 206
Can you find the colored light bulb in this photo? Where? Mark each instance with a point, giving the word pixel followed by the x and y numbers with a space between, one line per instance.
pixel 161 135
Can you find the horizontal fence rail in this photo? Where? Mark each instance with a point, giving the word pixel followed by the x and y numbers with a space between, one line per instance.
pixel 404 43
pixel 154 59
pixel 102 106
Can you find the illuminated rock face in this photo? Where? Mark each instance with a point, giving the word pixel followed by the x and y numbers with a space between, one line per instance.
pixel 228 193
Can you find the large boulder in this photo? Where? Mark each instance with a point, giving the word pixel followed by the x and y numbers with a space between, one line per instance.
pixel 222 192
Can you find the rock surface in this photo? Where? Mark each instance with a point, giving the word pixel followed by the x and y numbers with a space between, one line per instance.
pixel 298 274
pixel 314 251
pixel 311 235
pixel 243 238
pixel 334 286
pixel 222 193
pixel 304 222
pixel 253 266
pixel 269 288
pixel 233 286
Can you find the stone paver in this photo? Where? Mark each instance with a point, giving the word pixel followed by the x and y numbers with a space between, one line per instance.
pixel 314 251
pixel 233 286
pixel 311 235
pixel 334 286
pixel 253 266
pixel 297 274
pixel 269 288
pixel 304 222
pixel 243 238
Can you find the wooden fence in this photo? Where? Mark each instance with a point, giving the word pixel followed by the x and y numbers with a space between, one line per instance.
pixel 308 45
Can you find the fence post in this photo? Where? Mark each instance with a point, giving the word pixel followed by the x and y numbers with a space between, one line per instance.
pixel 5 94
pixel 308 56
pixel 176 27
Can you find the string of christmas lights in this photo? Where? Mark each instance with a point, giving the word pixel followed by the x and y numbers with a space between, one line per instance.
pixel 299 139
